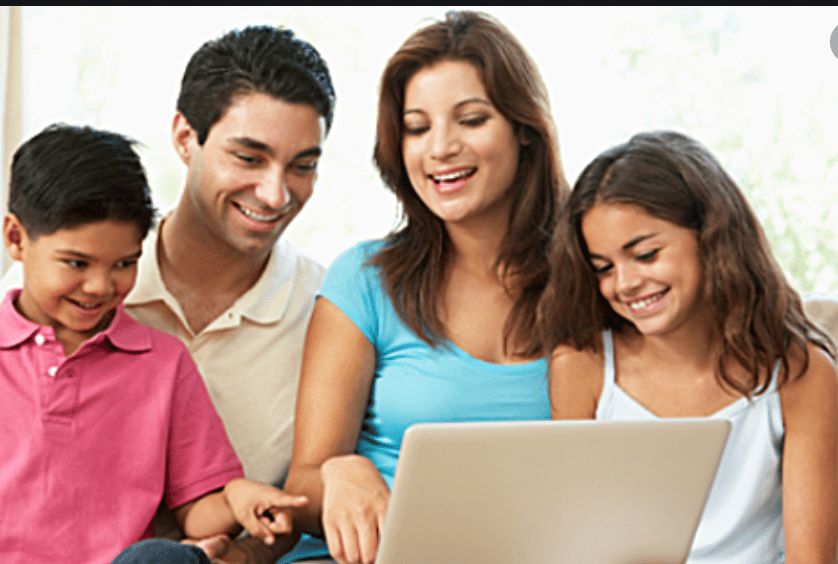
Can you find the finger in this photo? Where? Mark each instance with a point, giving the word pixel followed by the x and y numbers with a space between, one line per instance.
pixel 368 542
pixel 279 523
pixel 281 500
pixel 254 526
pixel 335 542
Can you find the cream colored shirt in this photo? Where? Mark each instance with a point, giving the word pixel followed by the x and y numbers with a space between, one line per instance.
pixel 249 356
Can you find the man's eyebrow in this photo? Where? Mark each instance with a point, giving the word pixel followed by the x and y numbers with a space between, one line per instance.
pixel 255 145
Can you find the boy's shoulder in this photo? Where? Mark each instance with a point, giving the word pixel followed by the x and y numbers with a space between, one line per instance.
pixel 128 334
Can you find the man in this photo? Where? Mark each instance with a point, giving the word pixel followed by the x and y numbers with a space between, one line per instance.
pixel 254 108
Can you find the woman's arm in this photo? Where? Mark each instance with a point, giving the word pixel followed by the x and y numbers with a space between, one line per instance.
pixel 810 462
pixel 575 383
pixel 347 495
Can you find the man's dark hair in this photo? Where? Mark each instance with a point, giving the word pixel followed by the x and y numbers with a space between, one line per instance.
pixel 256 59
pixel 67 176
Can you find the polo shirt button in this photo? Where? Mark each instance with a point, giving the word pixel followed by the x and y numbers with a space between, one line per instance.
pixel 40 339
pixel 53 370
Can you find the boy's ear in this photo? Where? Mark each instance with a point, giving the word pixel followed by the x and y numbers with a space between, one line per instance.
pixel 13 236
pixel 184 138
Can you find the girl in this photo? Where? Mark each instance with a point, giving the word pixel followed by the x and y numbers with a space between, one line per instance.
pixel 437 321
pixel 665 301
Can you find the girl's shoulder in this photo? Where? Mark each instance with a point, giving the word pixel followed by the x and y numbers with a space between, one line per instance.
pixel 576 380
pixel 817 375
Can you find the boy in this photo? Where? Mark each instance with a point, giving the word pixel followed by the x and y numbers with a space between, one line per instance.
pixel 101 416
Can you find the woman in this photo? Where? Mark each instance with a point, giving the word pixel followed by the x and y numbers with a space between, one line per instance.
pixel 437 321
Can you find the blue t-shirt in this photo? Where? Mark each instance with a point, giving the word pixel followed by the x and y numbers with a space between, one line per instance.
pixel 415 382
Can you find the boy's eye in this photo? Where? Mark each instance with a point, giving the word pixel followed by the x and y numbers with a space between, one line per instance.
pixel 75 263
pixel 126 263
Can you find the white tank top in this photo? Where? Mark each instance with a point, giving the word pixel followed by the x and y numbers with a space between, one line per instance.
pixel 742 521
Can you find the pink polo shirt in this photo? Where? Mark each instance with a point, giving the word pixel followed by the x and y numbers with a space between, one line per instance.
pixel 91 443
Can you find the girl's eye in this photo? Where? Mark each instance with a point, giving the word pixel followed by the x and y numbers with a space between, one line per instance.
pixel 601 269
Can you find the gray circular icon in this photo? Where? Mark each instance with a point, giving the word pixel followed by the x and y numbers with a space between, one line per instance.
pixel 833 41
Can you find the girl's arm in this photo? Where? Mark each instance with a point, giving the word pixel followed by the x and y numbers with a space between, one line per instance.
pixel 347 495
pixel 576 379
pixel 810 462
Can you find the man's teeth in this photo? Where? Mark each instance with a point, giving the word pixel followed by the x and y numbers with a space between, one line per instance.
pixel 452 176
pixel 257 216
pixel 645 302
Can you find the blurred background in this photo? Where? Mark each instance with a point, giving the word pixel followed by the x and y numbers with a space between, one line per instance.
pixel 757 85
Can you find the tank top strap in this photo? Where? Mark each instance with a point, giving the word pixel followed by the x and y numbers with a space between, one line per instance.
pixel 609 370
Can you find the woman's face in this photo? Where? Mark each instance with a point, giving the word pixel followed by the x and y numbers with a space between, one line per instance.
pixel 460 152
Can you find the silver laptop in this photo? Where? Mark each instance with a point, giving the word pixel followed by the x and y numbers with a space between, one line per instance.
pixel 551 492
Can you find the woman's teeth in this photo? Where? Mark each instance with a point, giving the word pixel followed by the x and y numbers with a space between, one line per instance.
pixel 452 176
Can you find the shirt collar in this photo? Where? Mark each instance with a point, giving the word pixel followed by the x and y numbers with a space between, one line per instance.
pixel 264 303
pixel 123 333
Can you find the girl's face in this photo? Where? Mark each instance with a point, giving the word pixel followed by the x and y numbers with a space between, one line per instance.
pixel 649 269
pixel 460 152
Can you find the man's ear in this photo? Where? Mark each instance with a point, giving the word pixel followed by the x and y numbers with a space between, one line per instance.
pixel 184 138
pixel 14 236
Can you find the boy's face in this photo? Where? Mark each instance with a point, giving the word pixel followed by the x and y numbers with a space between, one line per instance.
pixel 74 278
pixel 254 172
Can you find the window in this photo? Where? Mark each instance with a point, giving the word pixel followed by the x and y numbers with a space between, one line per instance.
pixel 758 86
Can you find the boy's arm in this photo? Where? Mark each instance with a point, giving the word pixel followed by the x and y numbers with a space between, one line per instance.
pixel 263 510
pixel 206 516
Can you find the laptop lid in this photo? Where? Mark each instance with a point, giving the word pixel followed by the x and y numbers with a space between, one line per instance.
pixel 551 492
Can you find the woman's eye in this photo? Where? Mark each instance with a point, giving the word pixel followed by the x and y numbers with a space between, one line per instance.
pixel 474 121
pixel 647 256
pixel 415 129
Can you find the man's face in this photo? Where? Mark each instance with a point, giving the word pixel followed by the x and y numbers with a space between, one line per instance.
pixel 254 172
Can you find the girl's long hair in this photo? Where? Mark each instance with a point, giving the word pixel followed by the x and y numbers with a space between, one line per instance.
pixel 758 316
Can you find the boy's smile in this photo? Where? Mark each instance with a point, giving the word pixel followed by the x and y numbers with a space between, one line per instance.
pixel 74 278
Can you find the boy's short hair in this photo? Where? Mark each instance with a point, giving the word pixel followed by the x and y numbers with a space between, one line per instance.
pixel 262 59
pixel 67 176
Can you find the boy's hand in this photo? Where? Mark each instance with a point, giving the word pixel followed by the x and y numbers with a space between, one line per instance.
pixel 263 510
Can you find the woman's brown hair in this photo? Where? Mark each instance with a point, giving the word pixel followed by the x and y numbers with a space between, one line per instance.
pixel 758 316
pixel 414 258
